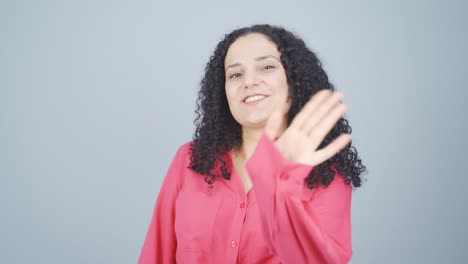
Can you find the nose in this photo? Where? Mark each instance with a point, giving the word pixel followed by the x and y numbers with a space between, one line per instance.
pixel 250 80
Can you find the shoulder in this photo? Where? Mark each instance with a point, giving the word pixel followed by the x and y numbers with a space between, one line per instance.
pixel 188 178
pixel 183 152
pixel 184 149
pixel 337 191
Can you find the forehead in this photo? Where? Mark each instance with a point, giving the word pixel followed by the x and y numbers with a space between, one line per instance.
pixel 249 47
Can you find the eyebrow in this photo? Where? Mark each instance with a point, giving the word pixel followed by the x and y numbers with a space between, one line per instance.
pixel 257 59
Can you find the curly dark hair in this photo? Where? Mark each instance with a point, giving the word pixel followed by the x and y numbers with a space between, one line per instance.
pixel 217 132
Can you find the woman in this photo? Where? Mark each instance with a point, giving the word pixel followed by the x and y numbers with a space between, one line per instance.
pixel 268 176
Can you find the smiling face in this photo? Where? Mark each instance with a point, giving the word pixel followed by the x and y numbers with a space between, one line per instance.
pixel 256 83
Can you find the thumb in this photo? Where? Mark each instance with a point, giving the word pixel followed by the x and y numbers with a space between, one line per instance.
pixel 273 125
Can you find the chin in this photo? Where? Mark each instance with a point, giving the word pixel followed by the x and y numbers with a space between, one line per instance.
pixel 258 122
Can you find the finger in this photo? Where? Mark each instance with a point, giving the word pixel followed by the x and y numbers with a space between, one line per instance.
pixel 321 130
pixel 332 149
pixel 273 125
pixel 310 107
pixel 322 110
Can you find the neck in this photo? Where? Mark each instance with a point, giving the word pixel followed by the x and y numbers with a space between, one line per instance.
pixel 250 138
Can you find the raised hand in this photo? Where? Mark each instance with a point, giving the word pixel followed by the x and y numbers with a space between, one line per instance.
pixel 299 142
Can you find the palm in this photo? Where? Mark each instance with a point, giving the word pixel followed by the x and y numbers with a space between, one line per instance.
pixel 300 141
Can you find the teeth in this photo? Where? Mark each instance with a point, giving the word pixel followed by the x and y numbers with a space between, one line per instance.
pixel 254 98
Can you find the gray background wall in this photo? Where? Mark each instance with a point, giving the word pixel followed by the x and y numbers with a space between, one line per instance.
pixel 96 96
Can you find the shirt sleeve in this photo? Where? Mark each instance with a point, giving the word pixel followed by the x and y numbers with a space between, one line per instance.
pixel 160 242
pixel 304 226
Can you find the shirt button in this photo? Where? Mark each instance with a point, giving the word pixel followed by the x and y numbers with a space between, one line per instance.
pixel 242 205
pixel 233 244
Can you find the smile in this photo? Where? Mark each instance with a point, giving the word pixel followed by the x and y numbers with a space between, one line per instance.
pixel 254 98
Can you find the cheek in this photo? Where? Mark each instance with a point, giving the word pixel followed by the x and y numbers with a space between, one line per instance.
pixel 230 94
pixel 283 91
pixel 279 81
pixel 282 88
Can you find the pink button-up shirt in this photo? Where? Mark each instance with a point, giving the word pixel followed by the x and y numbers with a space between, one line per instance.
pixel 279 220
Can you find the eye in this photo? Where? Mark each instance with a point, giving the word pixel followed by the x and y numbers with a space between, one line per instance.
pixel 235 75
pixel 267 67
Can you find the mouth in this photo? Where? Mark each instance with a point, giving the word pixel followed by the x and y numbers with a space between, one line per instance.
pixel 254 98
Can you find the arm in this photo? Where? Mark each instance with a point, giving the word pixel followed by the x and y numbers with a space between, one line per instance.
pixel 160 243
pixel 305 226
